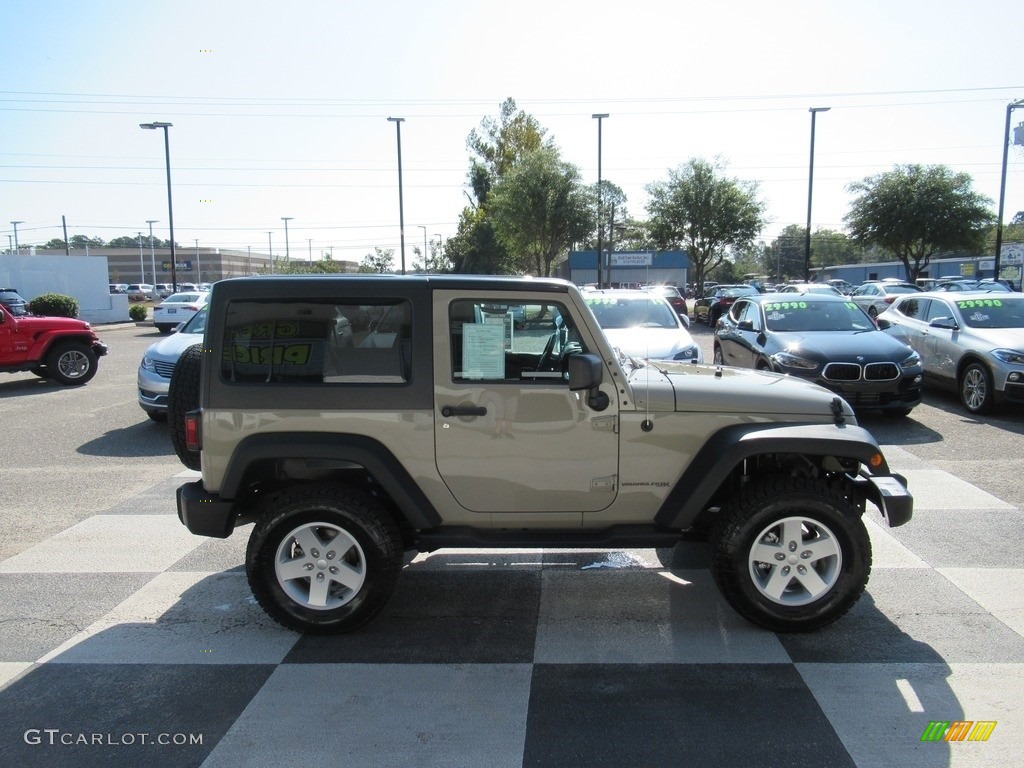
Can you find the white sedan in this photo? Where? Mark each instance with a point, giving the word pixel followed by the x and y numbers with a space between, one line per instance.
pixel 642 325
pixel 177 308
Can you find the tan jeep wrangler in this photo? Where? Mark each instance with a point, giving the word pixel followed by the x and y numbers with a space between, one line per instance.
pixel 355 418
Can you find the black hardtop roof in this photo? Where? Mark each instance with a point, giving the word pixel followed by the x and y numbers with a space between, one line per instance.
pixel 277 285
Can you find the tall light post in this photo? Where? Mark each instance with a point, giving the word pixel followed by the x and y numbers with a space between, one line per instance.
pixel 600 201
pixel 152 248
pixel 310 241
pixel 1002 183
pixel 17 248
pixel 440 250
pixel 426 258
pixel 401 208
pixel 199 264
pixel 287 252
pixel 810 189
pixel 142 267
pixel 170 207
pixel 270 249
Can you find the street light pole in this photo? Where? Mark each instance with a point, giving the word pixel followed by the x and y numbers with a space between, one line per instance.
pixel 17 248
pixel 1002 183
pixel 270 248
pixel 170 207
pixel 199 265
pixel 401 208
pixel 287 251
pixel 152 248
pixel 600 200
pixel 142 265
pixel 810 189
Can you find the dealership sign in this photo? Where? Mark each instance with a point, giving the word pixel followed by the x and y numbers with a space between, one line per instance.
pixel 632 259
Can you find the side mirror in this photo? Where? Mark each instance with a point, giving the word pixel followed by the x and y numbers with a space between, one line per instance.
pixel 746 325
pixel 882 324
pixel 586 372
pixel 943 322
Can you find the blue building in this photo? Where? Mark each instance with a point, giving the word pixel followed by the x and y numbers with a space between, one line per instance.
pixel 628 269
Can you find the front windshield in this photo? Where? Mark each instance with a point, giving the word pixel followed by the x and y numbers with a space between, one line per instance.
pixel 810 315
pixel 992 313
pixel 197 324
pixel 620 312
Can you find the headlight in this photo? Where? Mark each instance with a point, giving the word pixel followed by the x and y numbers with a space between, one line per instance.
pixel 789 360
pixel 1009 356
pixel 911 362
pixel 690 353
pixel 148 364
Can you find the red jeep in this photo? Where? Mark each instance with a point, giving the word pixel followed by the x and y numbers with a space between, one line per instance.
pixel 59 348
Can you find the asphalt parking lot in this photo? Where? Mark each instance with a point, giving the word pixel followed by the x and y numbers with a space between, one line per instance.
pixel 126 641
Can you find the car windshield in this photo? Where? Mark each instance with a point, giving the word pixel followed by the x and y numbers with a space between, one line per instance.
pixel 1004 312
pixel 736 290
pixel 197 324
pixel 897 288
pixel 620 312
pixel 810 315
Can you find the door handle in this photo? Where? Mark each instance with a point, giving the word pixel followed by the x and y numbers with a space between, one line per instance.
pixel 463 410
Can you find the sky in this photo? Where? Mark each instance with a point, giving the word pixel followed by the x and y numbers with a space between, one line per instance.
pixel 281 109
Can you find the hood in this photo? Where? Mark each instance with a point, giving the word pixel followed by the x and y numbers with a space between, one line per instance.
pixel 171 347
pixel 873 346
pixel 649 343
pixel 38 323
pixel 686 387
pixel 999 338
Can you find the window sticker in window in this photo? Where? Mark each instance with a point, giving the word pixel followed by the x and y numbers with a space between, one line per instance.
pixel 483 351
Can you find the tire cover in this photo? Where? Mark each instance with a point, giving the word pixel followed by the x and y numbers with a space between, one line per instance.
pixel 182 397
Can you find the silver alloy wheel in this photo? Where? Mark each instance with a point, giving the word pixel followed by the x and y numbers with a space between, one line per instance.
pixel 320 566
pixel 73 363
pixel 795 561
pixel 974 388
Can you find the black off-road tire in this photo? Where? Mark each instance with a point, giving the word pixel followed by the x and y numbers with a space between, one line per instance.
pixel 325 560
pixel 71 363
pixel 182 397
pixel 790 523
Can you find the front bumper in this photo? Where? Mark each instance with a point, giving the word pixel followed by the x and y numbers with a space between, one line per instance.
pixel 100 348
pixel 889 493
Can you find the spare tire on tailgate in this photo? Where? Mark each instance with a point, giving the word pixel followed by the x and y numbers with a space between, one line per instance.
pixel 182 397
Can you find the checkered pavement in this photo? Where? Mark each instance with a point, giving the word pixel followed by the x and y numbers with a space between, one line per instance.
pixel 125 640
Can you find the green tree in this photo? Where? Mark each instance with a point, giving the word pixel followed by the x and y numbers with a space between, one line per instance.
pixel 80 241
pixel 540 208
pixel 127 241
pixel 915 212
pixel 56 244
pixel 830 248
pixel 701 211
pixel 381 261
pixel 495 149
pixel 784 256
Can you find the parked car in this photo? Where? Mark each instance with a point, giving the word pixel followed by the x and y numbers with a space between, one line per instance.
pixel 971 285
pixel 154 377
pixel 119 288
pixel 675 298
pixel 875 296
pixel 827 339
pixel 161 291
pixel 11 299
pixel 969 342
pixel 824 288
pixel 138 291
pixel 642 325
pixel 844 287
pixel 176 309
pixel 716 301
pixel 62 349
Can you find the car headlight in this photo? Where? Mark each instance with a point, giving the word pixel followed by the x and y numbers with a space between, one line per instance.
pixel 912 361
pixel 690 353
pixel 1009 356
pixel 789 360
pixel 148 364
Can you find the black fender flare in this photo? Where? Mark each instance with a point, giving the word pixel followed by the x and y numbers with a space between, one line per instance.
pixel 724 450
pixel 343 449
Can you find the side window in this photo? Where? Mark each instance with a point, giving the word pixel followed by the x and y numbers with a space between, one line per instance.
pixel 510 341
pixel 910 308
pixel 317 341
pixel 937 309
pixel 749 312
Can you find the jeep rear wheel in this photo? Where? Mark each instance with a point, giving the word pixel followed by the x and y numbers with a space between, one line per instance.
pixel 325 560
pixel 182 397
pixel 71 363
pixel 790 554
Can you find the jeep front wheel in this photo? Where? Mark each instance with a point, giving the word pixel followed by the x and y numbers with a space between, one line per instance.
pixel 790 554
pixel 71 363
pixel 325 560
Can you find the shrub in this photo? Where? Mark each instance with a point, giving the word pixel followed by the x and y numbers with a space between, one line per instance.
pixel 54 305
pixel 138 312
